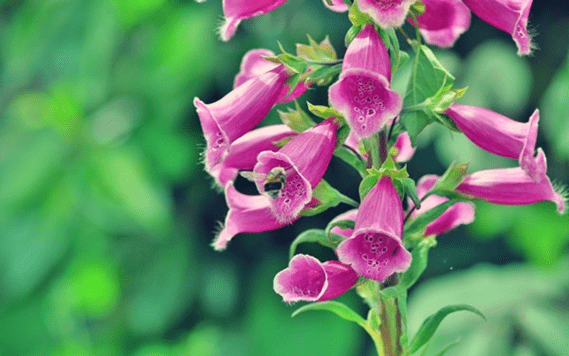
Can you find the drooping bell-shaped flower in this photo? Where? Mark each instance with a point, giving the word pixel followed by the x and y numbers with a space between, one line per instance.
pixel 295 169
pixel 309 280
pixel 337 5
pixel 375 249
pixel 243 152
pixel 247 214
pixel 386 13
pixel 510 16
pixel 498 134
pixel 253 64
pixel 513 186
pixel 457 214
pixel 443 21
pixel 236 10
pixel 362 93
pixel 238 112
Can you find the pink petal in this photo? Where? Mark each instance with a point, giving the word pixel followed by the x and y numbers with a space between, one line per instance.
pixel 443 21
pixel 368 52
pixel 405 149
pixel 337 5
pixel 341 278
pixel 237 10
pixel 386 13
pixel 348 215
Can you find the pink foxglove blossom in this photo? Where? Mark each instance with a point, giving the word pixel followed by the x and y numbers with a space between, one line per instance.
pixel 457 214
pixel 243 152
pixel 253 65
pixel 386 13
pixel 513 186
pixel 308 279
pixel 236 10
pixel 362 93
pixel 510 16
pixel 238 112
pixel 443 21
pixel 498 134
pixel 375 249
pixel 304 159
pixel 337 5
pixel 247 214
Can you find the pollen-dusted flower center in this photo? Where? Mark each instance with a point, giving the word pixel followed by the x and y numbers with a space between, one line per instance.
pixel 379 250
pixel 366 98
pixel 388 4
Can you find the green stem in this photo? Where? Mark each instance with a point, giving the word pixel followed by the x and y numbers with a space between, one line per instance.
pixel 382 146
pixel 374 146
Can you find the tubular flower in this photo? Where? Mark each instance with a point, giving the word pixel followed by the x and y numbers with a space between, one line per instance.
pixel 375 249
pixel 238 112
pixel 296 169
pixel 443 21
pixel 243 152
pixel 309 280
pixel 247 213
pixel 457 214
pixel 253 64
pixel 386 13
pixel 499 135
pixel 513 186
pixel 510 16
pixel 362 93
pixel 236 10
pixel 337 5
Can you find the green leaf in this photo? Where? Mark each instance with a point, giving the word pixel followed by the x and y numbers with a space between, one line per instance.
pixel 312 235
pixel 430 324
pixel 328 197
pixel 419 261
pixel 427 79
pixel 296 118
pixel 351 158
pixel 410 189
pixel 447 347
pixel 341 310
pixel 367 184
pixel 418 224
pixel 324 74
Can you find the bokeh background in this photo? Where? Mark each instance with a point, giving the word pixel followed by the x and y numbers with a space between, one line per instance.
pixel 106 214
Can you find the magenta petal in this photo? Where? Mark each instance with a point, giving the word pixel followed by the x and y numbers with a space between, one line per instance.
pixel 304 279
pixel 510 16
pixel 341 278
pixel 348 215
pixel 368 52
pixel 498 134
pixel 405 149
pixel 386 13
pixel 238 112
pixel 457 214
pixel 374 254
pixel 512 186
pixel 243 152
pixel 246 214
pixel 237 10
pixel 443 21
pixel 365 100
pixel 337 5
pixel 297 191
pixel 253 64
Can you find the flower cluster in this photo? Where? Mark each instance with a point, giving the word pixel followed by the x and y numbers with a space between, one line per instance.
pixel 370 126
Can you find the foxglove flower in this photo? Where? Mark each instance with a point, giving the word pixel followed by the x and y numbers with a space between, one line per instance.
pixel 386 13
pixel 510 16
pixel 337 5
pixel 362 93
pixel 375 249
pixel 304 160
pixel 247 214
pixel 443 21
pixel 512 186
pixel 243 152
pixel 238 112
pixel 499 135
pixel 457 214
pixel 253 65
pixel 309 280
pixel 236 10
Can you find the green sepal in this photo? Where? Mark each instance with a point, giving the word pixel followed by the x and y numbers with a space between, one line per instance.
pixel 374 319
pixel 368 183
pixel 432 322
pixel 322 52
pixel 292 82
pixel 297 119
pixel 417 9
pixel 427 78
pixel 312 235
pixel 410 189
pixel 420 255
pixel 357 18
pixel 452 178
pixel 328 197
pixel 351 158
pixel 351 34
pixel 342 224
pixel 282 141
pixel 324 74
pixel 322 111
pixel 417 226
pixel 368 290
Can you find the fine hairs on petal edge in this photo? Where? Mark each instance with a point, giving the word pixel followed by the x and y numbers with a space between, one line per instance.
pixel 563 192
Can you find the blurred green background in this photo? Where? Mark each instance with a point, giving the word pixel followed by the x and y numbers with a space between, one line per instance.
pixel 106 214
